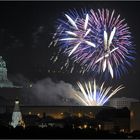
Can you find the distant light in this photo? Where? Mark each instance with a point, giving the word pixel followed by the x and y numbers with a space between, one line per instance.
pixel 131 114
pixel 31 85
pixel 90 126
pixel 85 126
pixel 61 113
pixel 122 130
pixel 79 115
pixel 73 126
pixel 80 127
pixel 17 102
pixel 30 113
pixel 38 114
pixel 99 126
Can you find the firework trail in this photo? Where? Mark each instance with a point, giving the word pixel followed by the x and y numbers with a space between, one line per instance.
pixel 99 41
pixel 94 95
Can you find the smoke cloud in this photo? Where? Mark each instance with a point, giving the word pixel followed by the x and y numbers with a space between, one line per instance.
pixel 49 92
pixel 46 92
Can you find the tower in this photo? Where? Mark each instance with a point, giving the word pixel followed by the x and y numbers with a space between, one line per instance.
pixel 17 116
pixel 4 82
pixel 8 91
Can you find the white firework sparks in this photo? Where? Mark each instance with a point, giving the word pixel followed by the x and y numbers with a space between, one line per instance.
pixel 78 35
pixel 95 96
pixel 104 59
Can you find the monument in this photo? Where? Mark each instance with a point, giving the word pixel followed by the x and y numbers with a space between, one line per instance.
pixel 4 82
pixel 8 91
pixel 17 116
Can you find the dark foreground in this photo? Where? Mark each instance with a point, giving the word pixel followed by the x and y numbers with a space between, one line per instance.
pixel 36 132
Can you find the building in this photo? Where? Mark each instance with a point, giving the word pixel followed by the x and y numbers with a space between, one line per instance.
pixel 8 91
pixel 17 116
pixel 114 119
pixel 4 82
pixel 121 102
pixel 135 116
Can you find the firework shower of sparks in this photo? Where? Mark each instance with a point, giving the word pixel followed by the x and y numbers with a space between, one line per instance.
pixel 94 95
pixel 78 35
pixel 116 48
pixel 99 41
pixel 74 34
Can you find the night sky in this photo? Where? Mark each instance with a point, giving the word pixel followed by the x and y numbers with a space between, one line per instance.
pixel 26 29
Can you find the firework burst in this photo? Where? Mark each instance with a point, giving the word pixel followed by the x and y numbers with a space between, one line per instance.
pixel 94 95
pixel 99 41
pixel 114 41
pixel 75 32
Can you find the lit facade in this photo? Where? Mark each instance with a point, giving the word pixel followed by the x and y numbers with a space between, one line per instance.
pixel 121 102
pixel 4 82
pixel 8 91
pixel 17 116
pixel 135 116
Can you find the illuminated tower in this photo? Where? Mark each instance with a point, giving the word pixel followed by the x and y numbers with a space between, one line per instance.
pixel 17 116
pixel 4 82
